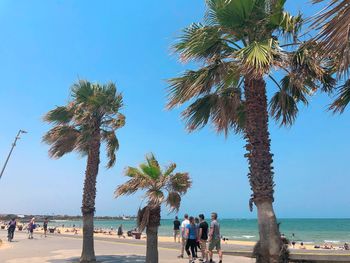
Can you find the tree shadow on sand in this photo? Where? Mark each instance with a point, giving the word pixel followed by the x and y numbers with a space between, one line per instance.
pixel 106 259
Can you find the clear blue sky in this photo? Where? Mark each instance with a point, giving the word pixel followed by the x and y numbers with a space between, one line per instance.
pixel 47 45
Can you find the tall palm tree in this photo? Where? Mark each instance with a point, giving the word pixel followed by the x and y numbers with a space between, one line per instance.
pixel 162 187
pixel 89 119
pixel 333 25
pixel 240 44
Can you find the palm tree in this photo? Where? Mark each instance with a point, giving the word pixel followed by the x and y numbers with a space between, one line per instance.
pixel 162 187
pixel 90 118
pixel 333 24
pixel 240 44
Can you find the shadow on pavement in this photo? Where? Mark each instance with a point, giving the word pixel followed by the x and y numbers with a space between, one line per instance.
pixel 106 259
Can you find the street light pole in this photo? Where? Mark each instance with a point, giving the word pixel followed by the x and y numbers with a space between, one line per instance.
pixel 13 146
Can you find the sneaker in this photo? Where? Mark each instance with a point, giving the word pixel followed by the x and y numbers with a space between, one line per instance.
pixel 220 261
pixel 180 256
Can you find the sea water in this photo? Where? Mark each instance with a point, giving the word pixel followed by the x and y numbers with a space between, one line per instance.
pixel 316 231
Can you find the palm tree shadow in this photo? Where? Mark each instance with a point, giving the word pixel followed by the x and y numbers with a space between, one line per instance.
pixel 106 259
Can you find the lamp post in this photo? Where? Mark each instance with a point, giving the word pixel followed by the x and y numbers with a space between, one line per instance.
pixel 13 146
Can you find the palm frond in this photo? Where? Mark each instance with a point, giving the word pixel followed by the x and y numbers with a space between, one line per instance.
pixel 151 171
pixel 112 145
pixel 194 83
pixel 155 196
pixel 179 182
pixel 343 98
pixel 283 108
pixel 173 201
pixel 63 139
pixel 334 31
pixel 234 15
pixel 225 109
pixel 131 186
pixel 258 57
pixel 59 115
pixel 168 171
pixel 201 42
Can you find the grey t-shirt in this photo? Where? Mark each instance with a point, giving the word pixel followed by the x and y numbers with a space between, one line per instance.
pixel 216 229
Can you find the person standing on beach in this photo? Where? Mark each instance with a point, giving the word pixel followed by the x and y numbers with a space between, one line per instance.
pixel 184 223
pixel 214 237
pixel 46 221
pixel 203 237
pixel 120 231
pixel 11 229
pixel 191 233
pixel 176 229
pixel 31 227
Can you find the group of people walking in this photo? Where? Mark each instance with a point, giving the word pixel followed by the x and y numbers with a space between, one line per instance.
pixel 30 227
pixel 195 233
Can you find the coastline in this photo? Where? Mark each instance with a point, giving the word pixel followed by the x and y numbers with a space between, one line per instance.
pixel 169 239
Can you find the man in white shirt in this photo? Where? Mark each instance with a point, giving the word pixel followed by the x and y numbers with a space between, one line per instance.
pixel 184 223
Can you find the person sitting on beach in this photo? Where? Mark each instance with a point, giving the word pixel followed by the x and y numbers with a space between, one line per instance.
pixel 293 240
pixel 176 224
pixel 346 246
pixel 302 246
pixel 327 246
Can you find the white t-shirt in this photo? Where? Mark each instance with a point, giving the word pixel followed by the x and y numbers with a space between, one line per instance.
pixel 183 227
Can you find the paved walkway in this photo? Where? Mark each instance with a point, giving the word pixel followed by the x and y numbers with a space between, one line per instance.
pixel 61 249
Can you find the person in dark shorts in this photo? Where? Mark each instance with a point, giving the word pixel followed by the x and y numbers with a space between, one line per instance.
pixel 11 229
pixel 31 227
pixel 191 233
pixel 177 224
pixel 46 221
pixel 203 237
pixel 214 237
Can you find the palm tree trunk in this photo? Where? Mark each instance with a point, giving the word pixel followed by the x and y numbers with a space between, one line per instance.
pixel 152 236
pixel 261 170
pixel 89 195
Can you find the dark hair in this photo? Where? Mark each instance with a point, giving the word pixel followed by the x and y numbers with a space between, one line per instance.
pixel 186 216
pixel 176 217
pixel 191 219
pixel 301 243
pixel 215 215
pixel 196 220
pixel 201 216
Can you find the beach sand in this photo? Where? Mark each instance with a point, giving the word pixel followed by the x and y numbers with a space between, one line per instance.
pixel 67 248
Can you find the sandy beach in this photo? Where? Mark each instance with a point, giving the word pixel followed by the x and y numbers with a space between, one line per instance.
pixel 67 248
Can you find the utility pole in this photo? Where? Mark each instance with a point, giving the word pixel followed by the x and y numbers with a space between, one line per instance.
pixel 13 146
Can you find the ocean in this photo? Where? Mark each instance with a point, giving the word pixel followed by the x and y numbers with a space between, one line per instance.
pixel 312 231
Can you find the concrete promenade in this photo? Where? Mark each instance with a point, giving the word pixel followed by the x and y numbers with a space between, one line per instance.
pixel 61 248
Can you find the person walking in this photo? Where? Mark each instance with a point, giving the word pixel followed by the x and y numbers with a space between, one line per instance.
pixel 31 227
pixel 203 237
pixel 191 233
pixel 46 221
pixel 176 229
pixel 184 223
pixel 11 229
pixel 214 237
